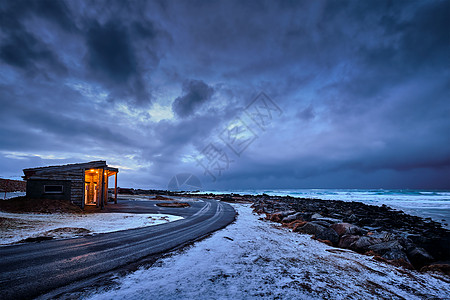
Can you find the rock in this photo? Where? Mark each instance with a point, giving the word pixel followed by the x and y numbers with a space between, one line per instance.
pixel 371 253
pixel 352 218
pixel 329 220
pixel 297 225
pixel 293 223
pixel 372 229
pixel 311 228
pixel 417 238
pixel 396 254
pixel 306 216
pixel 336 215
pixel 346 240
pixel 440 268
pixel 293 217
pixel 385 224
pixel 384 247
pixel 320 232
pixel 347 228
pixel 278 216
pixel 316 216
pixel 330 235
pixel 322 223
pixel 286 213
pixel 385 236
pixel 396 257
pixel 363 243
pixel 419 257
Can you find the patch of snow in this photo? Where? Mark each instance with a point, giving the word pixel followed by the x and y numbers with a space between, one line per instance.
pixel 252 258
pixel 16 227
pixel 6 196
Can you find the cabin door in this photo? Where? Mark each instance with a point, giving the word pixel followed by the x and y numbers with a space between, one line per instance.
pixel 90 193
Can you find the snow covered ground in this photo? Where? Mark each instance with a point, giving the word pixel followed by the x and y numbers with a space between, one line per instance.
pixel 16 227
pixel 252 258
pixel 4 196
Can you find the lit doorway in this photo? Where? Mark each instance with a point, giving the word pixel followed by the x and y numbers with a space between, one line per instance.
pixel 91 180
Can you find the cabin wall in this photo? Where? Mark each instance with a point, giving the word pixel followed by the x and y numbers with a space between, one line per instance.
pixel 36 189
pixel 73 181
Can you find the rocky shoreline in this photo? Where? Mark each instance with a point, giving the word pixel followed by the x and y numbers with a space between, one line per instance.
pixel 386 234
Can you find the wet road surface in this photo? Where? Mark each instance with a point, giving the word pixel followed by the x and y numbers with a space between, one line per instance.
pixel 29 270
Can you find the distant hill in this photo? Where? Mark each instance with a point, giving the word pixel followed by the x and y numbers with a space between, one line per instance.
pixel 9 185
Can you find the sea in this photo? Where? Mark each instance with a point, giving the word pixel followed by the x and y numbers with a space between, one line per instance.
pixel 434 204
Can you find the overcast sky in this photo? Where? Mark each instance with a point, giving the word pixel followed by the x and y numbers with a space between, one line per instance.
pixel 242 94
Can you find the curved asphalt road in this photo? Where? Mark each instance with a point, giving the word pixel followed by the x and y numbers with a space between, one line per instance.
pixel 29 270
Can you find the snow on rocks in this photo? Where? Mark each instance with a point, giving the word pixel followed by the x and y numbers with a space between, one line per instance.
pixel 253 258
pixel 34 227
pixel 419 242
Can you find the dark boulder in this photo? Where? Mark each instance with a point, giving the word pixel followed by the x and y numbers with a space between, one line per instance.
pixel 322 223
pixel 293 217
pixel 311 228
pixel 362 244
pixel 419 257
pixel 328 220
pixel 296 225
pixel 330 235
pixel 285 213
pixel 346 240
pixel 384 247
pixel 319 217
pixel 320 232
pixel 278 216
pixel 396 254
pixel 352 218
pixel 316 216
pixel 385 236
pixel 347 228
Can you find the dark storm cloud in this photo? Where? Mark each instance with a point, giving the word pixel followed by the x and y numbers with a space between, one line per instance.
pixel 29 116
pixel 424 39
pixel 14 12
pixel 23 50
pixel 119 47
pixel 123 47
pixel 404 45
pixel 112 58
pixel 196 92
pixel 55 11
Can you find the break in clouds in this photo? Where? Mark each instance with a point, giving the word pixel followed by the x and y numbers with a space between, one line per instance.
pixel 363 87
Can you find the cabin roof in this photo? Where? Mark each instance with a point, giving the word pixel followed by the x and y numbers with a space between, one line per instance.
pixel 61 168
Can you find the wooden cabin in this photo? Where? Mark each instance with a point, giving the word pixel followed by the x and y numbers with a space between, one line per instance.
pixel 82 184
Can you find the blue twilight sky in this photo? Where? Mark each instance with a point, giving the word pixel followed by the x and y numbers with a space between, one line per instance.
pixel 242 94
